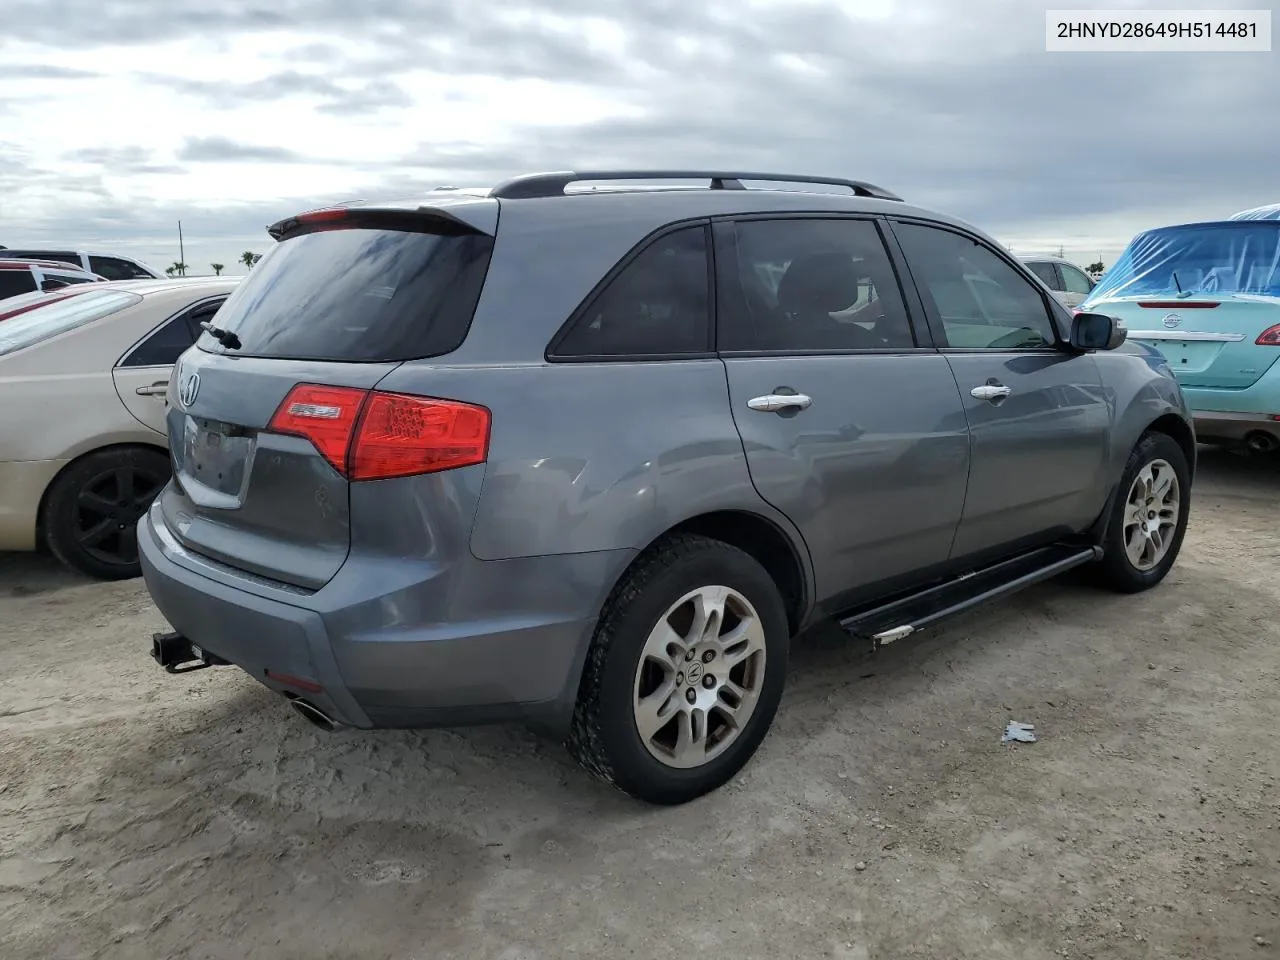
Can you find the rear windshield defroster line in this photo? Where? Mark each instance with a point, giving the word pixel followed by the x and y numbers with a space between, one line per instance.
pixel 360 293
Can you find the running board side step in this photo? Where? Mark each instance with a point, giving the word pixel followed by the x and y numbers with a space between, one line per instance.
pixel 902 617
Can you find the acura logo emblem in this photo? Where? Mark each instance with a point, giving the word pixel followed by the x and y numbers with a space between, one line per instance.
pixel 190 387
pixel 1171 319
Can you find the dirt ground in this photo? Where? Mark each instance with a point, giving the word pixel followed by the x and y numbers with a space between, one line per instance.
pixel 149 816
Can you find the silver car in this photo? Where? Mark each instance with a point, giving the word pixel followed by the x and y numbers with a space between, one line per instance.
pixel 1068 282
pixel 590 459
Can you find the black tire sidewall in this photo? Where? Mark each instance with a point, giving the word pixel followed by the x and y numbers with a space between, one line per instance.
pixel 1120 573
pixel 633 768
pixel 60 509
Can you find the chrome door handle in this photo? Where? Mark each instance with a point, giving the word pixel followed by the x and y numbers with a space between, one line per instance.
pixel 990 391
pixel 773 402
pixel 154 390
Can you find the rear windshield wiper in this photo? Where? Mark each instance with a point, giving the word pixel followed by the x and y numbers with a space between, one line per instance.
pixel 224 337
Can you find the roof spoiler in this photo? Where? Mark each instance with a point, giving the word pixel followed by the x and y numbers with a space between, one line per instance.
pixel 403 217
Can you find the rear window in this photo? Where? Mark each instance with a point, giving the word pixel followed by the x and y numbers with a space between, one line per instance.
pixel 359 294
pixel 26 321
pixel 1206 259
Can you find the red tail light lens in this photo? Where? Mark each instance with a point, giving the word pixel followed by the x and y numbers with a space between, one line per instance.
pixel 400 436
pixel 371 435
pixel 323 216
pixel 323 415
pixel 1269 337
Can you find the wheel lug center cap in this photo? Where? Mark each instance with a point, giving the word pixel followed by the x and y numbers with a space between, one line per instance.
pixel 693 672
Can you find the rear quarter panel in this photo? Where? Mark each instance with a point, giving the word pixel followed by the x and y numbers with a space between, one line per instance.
pixel 592 457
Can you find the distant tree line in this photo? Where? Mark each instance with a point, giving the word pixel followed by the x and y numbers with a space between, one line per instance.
pixel 179 269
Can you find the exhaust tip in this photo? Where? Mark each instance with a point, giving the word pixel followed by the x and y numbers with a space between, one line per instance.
pixel 1260 442
pixel 313 714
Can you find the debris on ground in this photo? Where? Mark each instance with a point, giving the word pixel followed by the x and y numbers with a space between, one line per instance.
pixel 1020 732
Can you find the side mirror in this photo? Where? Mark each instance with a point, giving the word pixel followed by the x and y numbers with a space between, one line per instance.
pixel 1096 331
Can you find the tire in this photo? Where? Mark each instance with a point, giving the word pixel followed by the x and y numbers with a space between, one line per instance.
pixel 606 735
pixel 93 507
pixel 1117 570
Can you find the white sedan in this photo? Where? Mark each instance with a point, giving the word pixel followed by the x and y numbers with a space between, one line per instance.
pixel 84 373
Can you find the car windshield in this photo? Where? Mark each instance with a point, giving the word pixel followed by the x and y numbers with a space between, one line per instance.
pixel 28 320
pixel 1211 259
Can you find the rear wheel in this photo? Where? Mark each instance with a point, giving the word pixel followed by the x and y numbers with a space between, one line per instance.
pixel 93 508
pixel 1149 517
pixel 684 674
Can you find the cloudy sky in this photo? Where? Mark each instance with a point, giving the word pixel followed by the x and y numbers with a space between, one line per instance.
pixel 118 118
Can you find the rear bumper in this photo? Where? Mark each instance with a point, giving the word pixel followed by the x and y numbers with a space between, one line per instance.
pixel 22 487
pixel 1212 426
pixel 401 643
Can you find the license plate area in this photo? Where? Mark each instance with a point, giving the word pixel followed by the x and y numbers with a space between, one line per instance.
pixel 1188 356
pixel 216 456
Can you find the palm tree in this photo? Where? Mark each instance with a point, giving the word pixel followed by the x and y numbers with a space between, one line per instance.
pixel 217 269
pixel 249 258
pixel 178 267
pixel 168 271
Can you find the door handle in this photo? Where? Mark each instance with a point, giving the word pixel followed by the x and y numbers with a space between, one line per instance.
pixel 153 390
pixel 991 392
pixel 773 402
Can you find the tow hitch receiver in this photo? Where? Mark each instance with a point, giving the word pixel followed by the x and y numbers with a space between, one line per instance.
pixel 173 650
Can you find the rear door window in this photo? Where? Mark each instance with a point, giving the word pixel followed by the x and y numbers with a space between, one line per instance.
pixel 14 282
pixel 657 305
pixel 1045 271
pixel 359 293
pixel 811 285
pixel 62 256
pixel 165 345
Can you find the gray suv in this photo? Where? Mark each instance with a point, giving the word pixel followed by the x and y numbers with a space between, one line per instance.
pixel 589 457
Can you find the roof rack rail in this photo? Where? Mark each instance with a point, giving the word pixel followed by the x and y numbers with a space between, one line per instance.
pixel 534 185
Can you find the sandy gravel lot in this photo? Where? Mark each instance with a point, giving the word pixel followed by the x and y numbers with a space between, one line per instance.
pixel 148 816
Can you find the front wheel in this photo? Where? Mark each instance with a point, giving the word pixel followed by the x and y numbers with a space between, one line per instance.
pixel 684 673
pixel 1149 518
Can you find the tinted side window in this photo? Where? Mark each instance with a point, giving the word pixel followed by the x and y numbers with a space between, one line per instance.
pixel 62 256
pixel 14 282
pixel 1074 280
pixel 659 304
pixel 116 269
pixel 980 300
pixel 165 345
pixel 820 284
pixel 1045 272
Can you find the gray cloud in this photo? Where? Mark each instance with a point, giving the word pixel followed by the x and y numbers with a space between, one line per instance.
pixel 952 105
pixel 126 161
pixel 43 71
pixel 335 98
pixel 225 150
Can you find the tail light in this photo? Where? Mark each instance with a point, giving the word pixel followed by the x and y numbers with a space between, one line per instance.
pixel 1269 337
pixel 375 435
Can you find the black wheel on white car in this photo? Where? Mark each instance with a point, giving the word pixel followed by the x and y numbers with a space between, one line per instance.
pixel 684 673
pixel 92 510
pixel 1149 517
